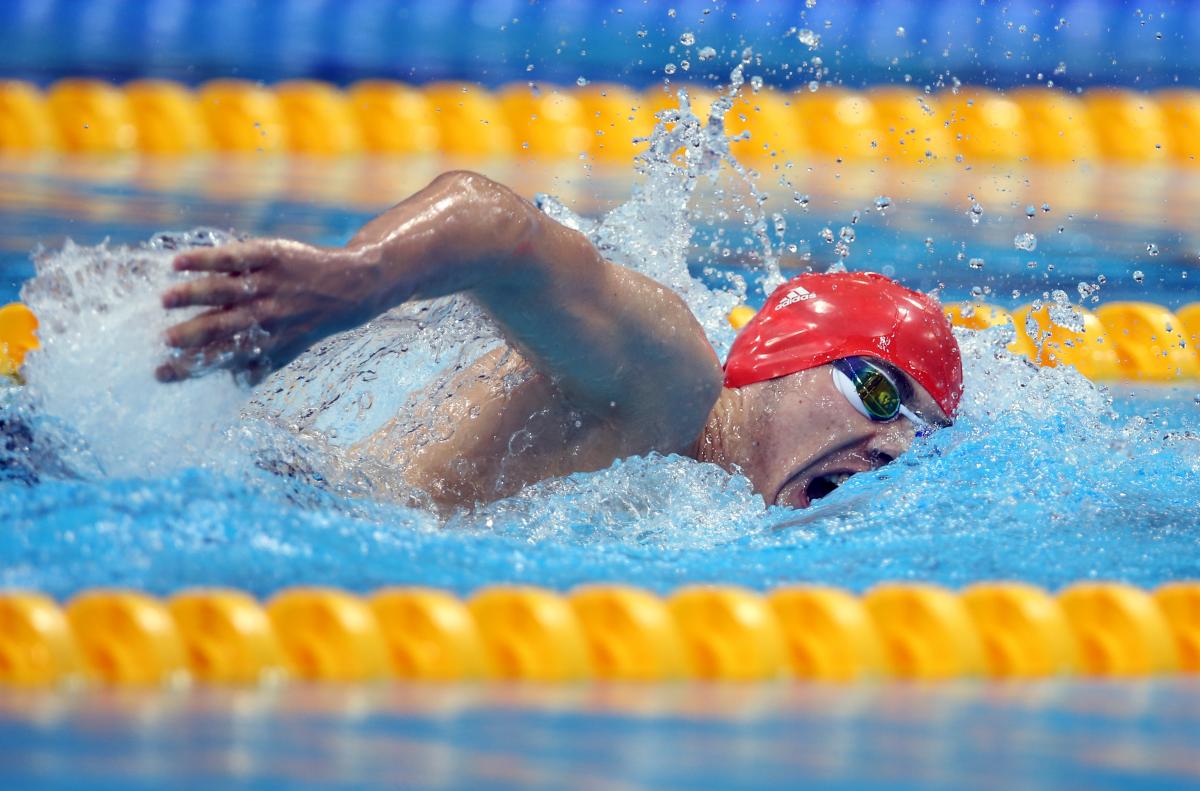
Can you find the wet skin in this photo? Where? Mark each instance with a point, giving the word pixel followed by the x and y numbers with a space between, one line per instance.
pixel 607 363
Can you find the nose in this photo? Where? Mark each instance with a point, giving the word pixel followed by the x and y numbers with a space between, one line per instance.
pixel 890 440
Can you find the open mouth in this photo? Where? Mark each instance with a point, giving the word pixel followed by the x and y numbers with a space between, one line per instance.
pixel 822 485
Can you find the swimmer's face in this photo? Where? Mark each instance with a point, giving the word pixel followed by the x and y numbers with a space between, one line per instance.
pixel 800 438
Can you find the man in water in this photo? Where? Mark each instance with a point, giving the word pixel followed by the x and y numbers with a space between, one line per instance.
pixel 832 377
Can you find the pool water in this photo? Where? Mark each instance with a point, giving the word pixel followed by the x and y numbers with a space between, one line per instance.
pixel 1044 478
pixel 1103 736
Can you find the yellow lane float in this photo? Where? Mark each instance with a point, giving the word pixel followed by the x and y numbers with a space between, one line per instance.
pixel 602 632
pixel 911 128
pixel 394 118
pixel 92 117
pixel 430 635
pixel 242 117
pixel 530 634
pixel 1129 126
pixel 1023 630
pixel 26 124
pixel 18 336
pixel 167 118
pixel 383 116
pixel 125 637
pixel 828 634
pixel 1119 629
pixel 985 125
pixel 926 630
pixel 728 633
pixel 1056 126
pixel 227 636
pixel 630 633
pixel 328 635
pixel 319 118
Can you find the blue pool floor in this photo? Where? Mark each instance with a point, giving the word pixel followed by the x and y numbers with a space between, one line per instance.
pixel 961 735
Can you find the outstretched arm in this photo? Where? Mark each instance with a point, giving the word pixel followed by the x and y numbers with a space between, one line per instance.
pixel 617 344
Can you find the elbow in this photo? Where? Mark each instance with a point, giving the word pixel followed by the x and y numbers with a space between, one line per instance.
pixel 488 221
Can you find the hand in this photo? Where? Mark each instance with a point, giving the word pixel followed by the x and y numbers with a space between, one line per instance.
pixel 270 299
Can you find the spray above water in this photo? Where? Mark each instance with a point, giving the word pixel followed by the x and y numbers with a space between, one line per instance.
pixel 1034 479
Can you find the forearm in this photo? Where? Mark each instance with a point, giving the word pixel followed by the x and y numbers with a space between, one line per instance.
pixel 461 231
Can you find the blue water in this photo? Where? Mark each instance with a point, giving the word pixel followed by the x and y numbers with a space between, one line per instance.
pixel 1053 735
pixel 1044 478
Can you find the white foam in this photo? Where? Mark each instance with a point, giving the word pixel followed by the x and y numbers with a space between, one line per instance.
pixel 101 331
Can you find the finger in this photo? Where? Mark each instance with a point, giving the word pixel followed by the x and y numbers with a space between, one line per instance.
pixel 232 354
pixel 218 290
pixel 235 257
pixel 209 327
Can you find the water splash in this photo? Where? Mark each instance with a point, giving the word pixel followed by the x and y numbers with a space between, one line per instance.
pixel 1038 479
pixel 101 333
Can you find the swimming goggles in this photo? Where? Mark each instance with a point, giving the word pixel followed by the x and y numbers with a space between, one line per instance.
pixel 871 390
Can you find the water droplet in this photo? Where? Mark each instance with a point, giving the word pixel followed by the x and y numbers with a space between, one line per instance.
pixel 1152 248
pixel 1139 276
pixel 1025 241
pixel 687 39
pixel 976 263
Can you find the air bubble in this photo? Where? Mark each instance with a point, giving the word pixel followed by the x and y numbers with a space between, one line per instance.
pixel 1030 211
pixel 1025 241
pixel 827 235
pixel 707 53
pixel 1139 276
pixel 808 38
pixel 882 203
pixel 975 213
pixel 846 234
pixel 976 263
pixel 687 39
pixel 1152 248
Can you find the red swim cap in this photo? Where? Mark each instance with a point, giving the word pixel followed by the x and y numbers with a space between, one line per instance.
pixel 814 319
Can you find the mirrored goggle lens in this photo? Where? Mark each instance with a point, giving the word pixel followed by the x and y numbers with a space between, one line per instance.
pixel 877 391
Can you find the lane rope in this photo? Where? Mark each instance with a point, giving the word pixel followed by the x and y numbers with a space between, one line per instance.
pixel 318 119
pixel 602 632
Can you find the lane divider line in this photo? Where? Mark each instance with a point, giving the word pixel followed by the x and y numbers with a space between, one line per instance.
pixel 601 632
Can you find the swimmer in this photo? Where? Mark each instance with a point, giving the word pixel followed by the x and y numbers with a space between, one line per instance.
pixel 832 377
